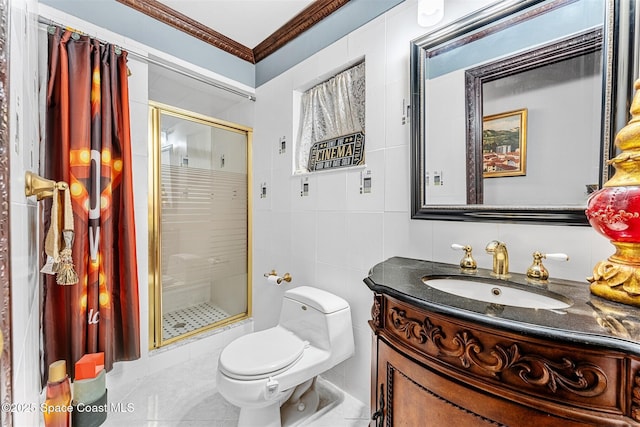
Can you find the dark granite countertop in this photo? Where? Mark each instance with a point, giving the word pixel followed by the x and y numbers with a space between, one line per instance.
pixel 589 319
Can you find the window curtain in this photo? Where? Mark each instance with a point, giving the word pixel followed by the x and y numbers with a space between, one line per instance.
pixel 331 109
pixel 88 145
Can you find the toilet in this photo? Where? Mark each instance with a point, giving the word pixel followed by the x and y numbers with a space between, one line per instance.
pixel 263 371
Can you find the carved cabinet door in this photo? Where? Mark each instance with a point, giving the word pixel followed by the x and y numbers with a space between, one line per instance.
pixel 410 394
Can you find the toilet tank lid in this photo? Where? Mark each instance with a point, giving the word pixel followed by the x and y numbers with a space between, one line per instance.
pixel 322 301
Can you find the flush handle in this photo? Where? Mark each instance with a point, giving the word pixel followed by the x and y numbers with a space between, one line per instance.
pixel 271 388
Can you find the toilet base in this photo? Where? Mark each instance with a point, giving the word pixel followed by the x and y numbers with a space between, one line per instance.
pixel 303 403
pixel 267 416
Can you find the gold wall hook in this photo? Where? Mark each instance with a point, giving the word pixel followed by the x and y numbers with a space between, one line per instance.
pixel 35 185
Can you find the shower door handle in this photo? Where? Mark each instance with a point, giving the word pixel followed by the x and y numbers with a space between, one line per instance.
pixel 378 416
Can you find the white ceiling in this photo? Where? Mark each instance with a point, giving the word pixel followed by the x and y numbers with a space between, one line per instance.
pixel 248 22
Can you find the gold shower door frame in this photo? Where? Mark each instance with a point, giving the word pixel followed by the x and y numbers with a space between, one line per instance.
pixel 156 339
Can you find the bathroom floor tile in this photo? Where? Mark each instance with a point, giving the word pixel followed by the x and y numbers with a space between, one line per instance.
pixel 186 396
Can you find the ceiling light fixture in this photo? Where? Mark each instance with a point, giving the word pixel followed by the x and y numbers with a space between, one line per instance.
pixel 430 12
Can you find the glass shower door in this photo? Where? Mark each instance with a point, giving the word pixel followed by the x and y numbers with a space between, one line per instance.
pixel 200 241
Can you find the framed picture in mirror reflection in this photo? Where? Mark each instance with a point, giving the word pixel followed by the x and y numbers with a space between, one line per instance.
pixel 504 144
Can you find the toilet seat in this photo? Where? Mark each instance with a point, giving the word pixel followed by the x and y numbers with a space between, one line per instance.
pixel 261 354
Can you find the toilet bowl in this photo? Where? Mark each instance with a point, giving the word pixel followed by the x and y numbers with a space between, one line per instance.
pixel 260 371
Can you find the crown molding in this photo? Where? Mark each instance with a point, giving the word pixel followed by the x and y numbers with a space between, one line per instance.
pixel 310 16
pixel 177 20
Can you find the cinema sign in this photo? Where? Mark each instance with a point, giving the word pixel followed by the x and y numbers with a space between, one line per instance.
pixel 344 151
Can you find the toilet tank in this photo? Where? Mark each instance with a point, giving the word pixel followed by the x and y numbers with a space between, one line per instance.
pixel 320 317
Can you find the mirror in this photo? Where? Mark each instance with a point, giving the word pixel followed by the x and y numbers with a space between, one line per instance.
pixel 510 123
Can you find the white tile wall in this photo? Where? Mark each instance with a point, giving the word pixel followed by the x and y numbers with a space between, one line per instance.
pixel 355 231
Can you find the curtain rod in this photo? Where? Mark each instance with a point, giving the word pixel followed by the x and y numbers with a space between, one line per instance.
pixel 160 63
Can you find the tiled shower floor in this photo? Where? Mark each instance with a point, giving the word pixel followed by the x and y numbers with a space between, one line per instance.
pixel 189 319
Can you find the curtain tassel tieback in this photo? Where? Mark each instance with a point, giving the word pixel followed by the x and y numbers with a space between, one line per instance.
pixel 62 259
pixel 66 271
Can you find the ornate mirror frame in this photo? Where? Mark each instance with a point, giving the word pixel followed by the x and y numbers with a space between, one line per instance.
pixel 619 70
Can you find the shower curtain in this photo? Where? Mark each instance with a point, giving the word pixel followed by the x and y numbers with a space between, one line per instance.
pixel 88 145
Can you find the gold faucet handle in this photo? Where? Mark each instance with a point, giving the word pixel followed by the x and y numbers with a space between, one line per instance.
pixel 467 262
pixel 537 270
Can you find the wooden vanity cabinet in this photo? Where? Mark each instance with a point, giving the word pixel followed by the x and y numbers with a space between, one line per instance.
pixel 430 369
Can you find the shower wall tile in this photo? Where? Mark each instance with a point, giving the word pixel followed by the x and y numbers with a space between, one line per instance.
pixel 375 120
pixel 333 59
pixel 138 87
pixel 333 278
pixel 303 269
pixel 262 151
pixel 364 227
pixel 280 192
pixel 24 273
pixel 357 380
pixel 280 239
pixel 397 179
pixel 299 200
pixel 242 113
pixel 361 201
pixel 139 118
pixel 332 191
pixel 267 300
pixel 406 238
pixel 337 375
pixel 347 283
pixel 397 116
pixel 304 228
pixel 272 123
pixel 360 299
pixel 282 159
pixel 332 238
pixel 368 43
pixel 304 75
pixel 262 231
pixel 401 29
pixel 139 114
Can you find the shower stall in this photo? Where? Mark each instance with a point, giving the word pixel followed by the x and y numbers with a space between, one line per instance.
pixel 199 233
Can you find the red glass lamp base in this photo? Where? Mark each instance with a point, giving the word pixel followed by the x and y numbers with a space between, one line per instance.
pixel 615 213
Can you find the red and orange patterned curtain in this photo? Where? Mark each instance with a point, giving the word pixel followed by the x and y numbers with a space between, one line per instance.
pixel 88 145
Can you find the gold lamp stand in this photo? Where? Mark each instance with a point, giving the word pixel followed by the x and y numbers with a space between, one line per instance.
pixel 614 211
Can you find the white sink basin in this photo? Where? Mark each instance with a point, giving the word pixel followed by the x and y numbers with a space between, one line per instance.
pixel 497 294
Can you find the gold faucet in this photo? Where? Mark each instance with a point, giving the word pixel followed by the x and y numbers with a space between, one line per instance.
pixel 500 258
pixel 467 263
pixel 537 271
